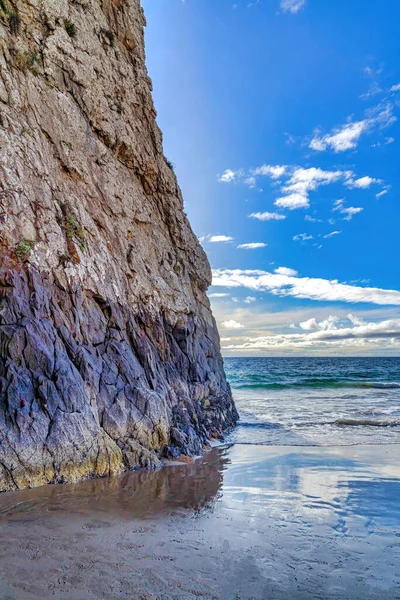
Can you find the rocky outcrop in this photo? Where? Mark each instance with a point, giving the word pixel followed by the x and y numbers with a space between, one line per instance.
pixel 109 354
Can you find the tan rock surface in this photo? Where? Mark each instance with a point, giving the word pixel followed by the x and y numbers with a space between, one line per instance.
pixel 108 348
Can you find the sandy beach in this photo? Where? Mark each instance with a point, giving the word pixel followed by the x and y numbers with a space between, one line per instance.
pixel 241 523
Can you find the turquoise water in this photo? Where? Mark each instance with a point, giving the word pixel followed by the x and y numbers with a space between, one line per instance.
pixel 316 401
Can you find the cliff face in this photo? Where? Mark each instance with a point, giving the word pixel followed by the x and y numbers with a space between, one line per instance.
pixel 109 354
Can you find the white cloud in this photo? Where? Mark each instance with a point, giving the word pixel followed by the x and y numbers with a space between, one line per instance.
pixel 286 271
pixel 302 237
pixel 267 216
pixel 344 138
pixel 275 172
pixel 395 88
pixel 350 212
pixel 390 328
pixel 303 287
pixel 302 181
pixel 309 325
pixel 228 176
pixel 249 299
pixel 272 171
pixel 292 6
pixel 382 193
pixel 338 204
pixel 232 325
pixel 355 320
pixel 220 238
pixel 347 136
pixel 252 246
pixel 293 201
pixel 362 183
pixel 218 295
pixel 328 235
pixel 326 325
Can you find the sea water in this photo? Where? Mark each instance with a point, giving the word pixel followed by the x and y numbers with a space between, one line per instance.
pixel 316 401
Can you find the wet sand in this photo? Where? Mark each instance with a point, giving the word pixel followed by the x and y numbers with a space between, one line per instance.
pixel 241 523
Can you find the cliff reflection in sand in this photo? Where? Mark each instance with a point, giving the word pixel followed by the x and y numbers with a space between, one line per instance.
pixel 194 487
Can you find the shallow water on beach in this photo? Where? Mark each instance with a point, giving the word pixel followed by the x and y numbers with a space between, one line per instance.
pixel 316 401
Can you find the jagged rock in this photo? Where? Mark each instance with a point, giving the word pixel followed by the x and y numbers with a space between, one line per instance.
pixel 109 354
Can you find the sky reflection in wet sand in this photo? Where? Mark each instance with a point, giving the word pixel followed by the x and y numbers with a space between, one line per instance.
pixel 258 522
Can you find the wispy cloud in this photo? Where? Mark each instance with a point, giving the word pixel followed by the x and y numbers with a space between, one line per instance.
pixel 380 194
pixel 329 235
pixel 303 287
pixel 349 211
pixel 252 246
pixel 346 137
pixel 395 88
pixel 292 6
pixel 311 219
pixel 302 237
pixel 374 89
pixel 267 216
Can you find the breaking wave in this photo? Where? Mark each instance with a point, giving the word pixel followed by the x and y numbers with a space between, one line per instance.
pixel 316 383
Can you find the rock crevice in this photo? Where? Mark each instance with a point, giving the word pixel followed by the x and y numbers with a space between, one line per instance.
pixel 109 354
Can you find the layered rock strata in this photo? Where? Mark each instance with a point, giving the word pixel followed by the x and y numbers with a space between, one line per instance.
pixel 109 354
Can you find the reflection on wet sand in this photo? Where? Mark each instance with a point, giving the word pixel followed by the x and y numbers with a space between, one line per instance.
pixel 360 485
pixel 245 522
pixel 139 494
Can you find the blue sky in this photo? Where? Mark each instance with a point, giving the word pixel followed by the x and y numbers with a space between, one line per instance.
pixel 281 117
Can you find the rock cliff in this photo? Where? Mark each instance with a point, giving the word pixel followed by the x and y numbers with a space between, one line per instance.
pixel 109 354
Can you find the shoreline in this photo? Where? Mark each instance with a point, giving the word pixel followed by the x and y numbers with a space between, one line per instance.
pixel 242 522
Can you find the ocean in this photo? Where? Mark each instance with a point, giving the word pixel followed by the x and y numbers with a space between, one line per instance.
pixel 316 401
